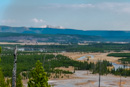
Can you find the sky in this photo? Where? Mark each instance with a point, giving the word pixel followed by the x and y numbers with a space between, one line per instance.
pixel 75 14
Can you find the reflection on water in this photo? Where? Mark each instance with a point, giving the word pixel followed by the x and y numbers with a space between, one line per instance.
pixel 86 56
pixel 116 66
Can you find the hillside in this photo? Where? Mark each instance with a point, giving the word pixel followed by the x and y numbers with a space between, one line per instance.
pixel 58 38
pixel 67 35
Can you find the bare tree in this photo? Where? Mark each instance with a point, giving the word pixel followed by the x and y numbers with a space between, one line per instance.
pixel 14 68
pixel 120 80
pixel 99 73
pixel 44 60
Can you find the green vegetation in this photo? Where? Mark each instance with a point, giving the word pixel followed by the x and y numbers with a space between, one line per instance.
pixel 38 77
pixel 125 57
pixel 0 49
pixel 2 80
pixel 101 67
pixel 125 60
pixel 91 47
pixel 26 60
pixel 121 71
pixel 119 54
pixel 58 38
pixel 19 81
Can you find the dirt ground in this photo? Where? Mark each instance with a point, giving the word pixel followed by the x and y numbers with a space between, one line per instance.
pixel 70 68
pixel 97 56
pixel 86 79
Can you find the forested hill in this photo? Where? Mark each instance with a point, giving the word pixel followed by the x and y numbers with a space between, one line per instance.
pixel 122 36
pixel 48 30
pixel 58 38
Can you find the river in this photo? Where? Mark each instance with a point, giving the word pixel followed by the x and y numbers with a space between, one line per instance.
pixel 116 66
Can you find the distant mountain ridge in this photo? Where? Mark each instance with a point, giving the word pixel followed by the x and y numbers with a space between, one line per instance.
pixel 49 30
pixel 107 35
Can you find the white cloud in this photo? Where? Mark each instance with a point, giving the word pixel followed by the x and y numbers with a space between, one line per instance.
pixel 54 6
pixel 117 7
pixel 35 20
pixel 107 6
pixel 8 21
pixel 126 10
pixel 82 6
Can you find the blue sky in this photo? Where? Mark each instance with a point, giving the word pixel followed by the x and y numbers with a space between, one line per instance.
pixel 77 14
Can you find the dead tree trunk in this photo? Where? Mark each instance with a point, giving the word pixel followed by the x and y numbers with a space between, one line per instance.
pixel 120 80
pixel 44 61
pixel 14 68
pixel 99 73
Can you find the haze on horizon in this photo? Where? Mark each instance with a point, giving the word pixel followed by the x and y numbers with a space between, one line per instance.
pixel 76 14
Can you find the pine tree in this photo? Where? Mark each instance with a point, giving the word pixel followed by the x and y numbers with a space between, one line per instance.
pixel 38 77
pixel 2 80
